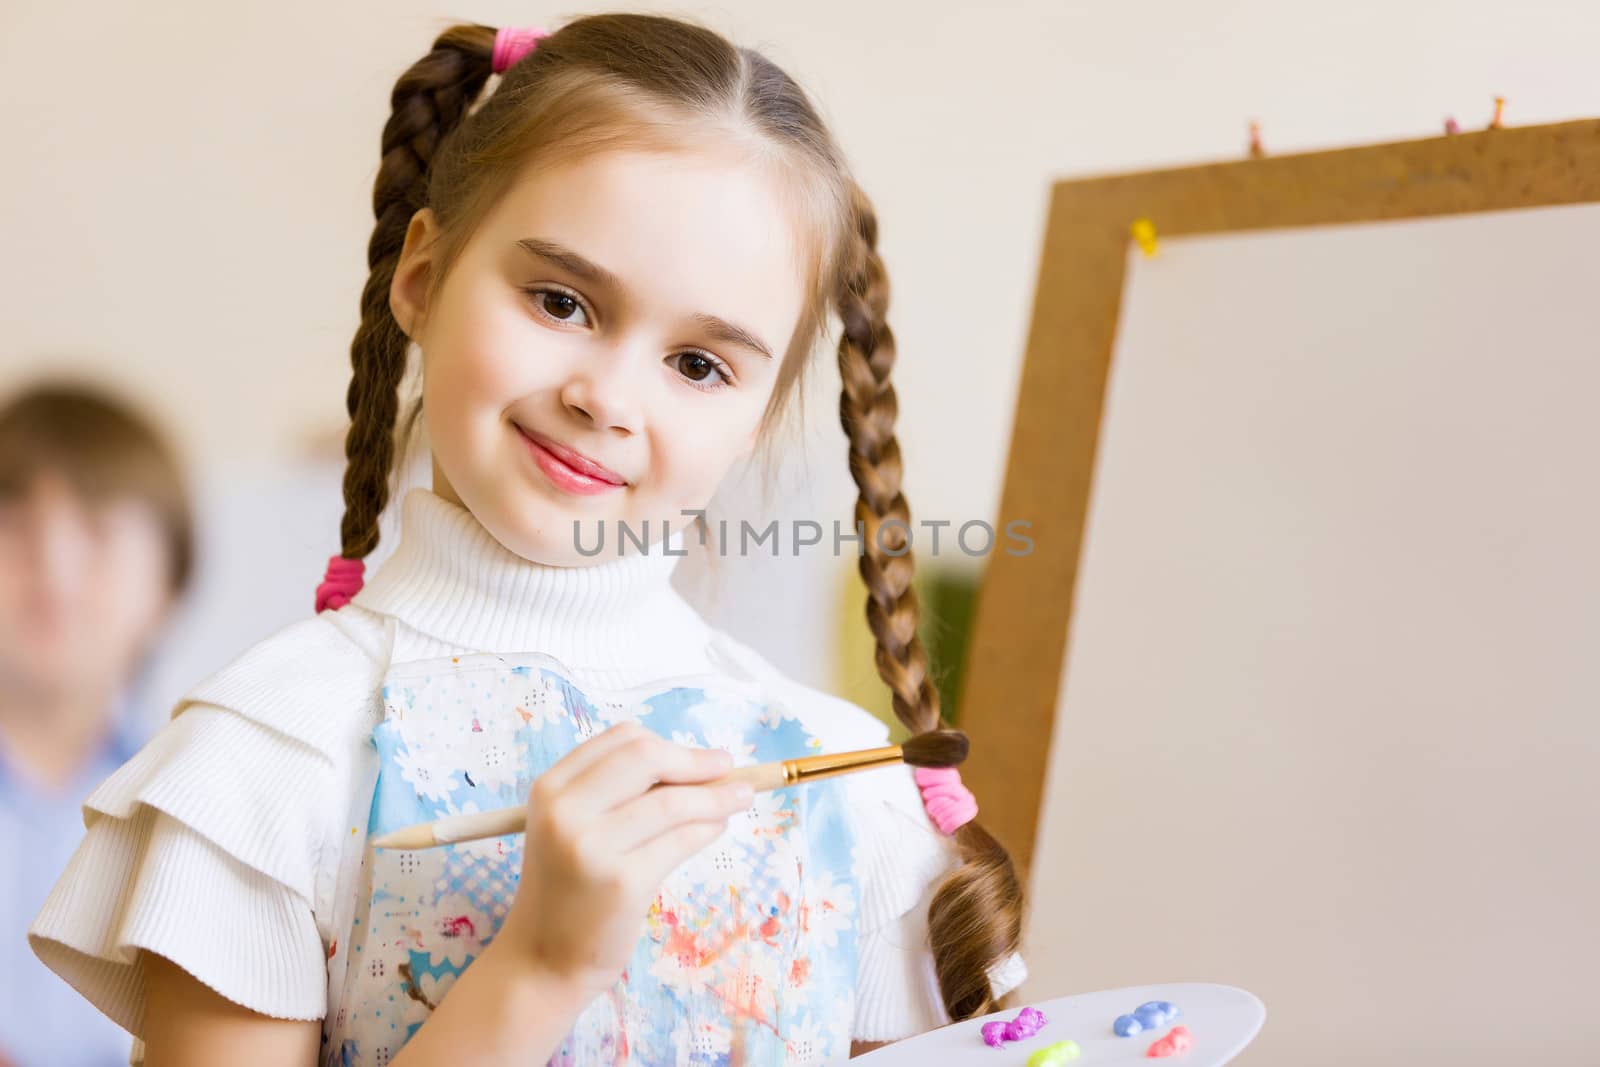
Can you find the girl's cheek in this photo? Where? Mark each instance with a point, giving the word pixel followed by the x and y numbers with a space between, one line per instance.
pixel 470 335
pixel 695 468
pixel 506 360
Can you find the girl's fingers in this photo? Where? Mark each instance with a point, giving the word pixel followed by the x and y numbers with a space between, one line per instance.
pixel 668 807
pixel 627 770
pixel 585 754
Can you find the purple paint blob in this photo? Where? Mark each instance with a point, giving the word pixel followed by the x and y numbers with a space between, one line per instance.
pixel 1024 1026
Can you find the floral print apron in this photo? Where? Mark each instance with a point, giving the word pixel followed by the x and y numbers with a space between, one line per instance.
pixel 748 952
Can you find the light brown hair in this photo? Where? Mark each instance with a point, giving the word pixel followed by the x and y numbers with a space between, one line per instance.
pixel 635 81
pixel 105 449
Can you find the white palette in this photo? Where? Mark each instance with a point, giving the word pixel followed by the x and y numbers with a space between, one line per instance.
pixel 1222 1020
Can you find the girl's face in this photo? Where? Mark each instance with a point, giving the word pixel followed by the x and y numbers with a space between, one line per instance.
pixel 604 347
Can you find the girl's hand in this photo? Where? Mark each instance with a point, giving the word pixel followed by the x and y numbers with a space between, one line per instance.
pixel 600 841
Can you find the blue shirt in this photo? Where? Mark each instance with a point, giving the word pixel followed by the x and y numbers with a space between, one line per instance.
pixel 43 1020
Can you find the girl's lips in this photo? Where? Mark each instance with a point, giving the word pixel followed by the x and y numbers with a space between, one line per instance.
pixel 570 470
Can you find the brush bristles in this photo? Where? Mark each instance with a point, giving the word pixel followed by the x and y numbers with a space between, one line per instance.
pixel 936 748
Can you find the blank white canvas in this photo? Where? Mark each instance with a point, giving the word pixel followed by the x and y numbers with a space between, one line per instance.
pixel 1330 719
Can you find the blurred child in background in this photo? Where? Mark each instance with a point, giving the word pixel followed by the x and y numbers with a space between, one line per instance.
pixel 96 545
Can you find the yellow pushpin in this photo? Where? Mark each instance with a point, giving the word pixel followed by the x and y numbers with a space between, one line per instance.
pixel 1144 235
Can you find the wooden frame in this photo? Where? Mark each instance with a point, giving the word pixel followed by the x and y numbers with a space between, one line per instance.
pixel 1021 628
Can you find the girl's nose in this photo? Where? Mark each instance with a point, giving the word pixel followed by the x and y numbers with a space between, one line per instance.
pixel 609 391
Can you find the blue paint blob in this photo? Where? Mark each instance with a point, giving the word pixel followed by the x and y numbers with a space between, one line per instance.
pixel 1154 1014
pixel 1151 1015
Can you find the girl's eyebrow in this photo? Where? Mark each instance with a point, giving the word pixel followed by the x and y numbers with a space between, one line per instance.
pixel 590 271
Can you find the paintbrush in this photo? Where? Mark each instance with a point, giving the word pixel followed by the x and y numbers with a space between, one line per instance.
pixel 936 748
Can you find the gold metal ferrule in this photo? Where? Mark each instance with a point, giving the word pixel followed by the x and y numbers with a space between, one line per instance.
pixel 810 768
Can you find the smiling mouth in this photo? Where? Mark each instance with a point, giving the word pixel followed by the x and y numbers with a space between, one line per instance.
pixel 569 470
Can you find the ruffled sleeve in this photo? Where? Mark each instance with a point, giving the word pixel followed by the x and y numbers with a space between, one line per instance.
pixel 214 845
pixel 901 860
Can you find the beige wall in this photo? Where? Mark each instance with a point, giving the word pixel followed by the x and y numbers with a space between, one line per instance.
pixel 184 200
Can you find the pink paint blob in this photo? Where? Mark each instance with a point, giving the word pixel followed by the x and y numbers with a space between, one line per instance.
pixel 1175 1043
pixel 994 1033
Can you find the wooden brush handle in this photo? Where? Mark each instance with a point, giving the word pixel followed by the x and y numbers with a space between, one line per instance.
pixel 477 825
pixel 480 824
pixel 761 777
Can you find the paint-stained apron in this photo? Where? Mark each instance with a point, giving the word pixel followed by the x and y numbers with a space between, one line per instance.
pixel 748 952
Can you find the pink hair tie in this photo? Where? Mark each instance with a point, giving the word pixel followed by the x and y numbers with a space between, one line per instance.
pixel 511 43
pixel 342 582
pixel 950 804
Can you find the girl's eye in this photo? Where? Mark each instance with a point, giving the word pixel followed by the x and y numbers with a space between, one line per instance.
pixel 703 372
pixel 558 304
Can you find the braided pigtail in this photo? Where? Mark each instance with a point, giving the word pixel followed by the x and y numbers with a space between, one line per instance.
pixel 428 103
pixel 975 920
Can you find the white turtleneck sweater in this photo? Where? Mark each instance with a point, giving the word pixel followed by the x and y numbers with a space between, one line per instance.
pixel 219 844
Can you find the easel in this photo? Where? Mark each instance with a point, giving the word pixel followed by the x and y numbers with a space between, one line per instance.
pixel 1021 629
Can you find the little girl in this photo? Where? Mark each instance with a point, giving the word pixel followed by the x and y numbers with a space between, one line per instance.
pixel 614 269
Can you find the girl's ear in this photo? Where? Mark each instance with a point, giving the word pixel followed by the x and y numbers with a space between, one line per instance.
pixel 408 291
